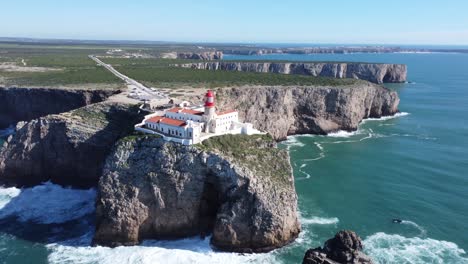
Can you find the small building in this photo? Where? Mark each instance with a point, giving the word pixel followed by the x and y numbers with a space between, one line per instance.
pixel 192 125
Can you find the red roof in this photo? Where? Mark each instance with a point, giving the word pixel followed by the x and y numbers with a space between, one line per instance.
pixel 226 112
pixel 185 111
pixel 166 120
pixel 175 109
pixel 155 119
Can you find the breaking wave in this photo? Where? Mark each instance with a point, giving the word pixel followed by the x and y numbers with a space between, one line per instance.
pixel 319 221
pixel 6 194
pixel 46 204
pixel 343 134
pixel 293 141
pixel 383 118
pixel 6 132
pixel 191 250
pixel 385 248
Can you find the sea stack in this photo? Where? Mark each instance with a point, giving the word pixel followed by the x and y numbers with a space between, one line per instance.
pixel 344 248
pixel 238 188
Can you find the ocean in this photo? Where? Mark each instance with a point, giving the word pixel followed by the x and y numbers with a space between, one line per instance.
pixel 412 166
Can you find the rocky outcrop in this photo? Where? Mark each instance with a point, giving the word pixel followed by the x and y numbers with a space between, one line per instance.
pixel 68 148
pixel 206 55
pixel 284 111
pixel 376 73
pixel 344 248
pixel 238 188
pixel 24 104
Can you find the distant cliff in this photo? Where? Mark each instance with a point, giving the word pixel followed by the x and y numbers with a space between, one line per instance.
pixel 284 111
pixel 376 73
pixel 68 148
pixel 206 55
pixel 24 104
pixel 238 188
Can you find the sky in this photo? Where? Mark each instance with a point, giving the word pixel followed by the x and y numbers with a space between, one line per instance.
pixel 430 22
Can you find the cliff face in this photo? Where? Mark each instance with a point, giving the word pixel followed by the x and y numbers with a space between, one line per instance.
pixel 239 188
pixel 376 73
pixel 68 148
pixel 24 104
pixel 207 55
pixel 284 111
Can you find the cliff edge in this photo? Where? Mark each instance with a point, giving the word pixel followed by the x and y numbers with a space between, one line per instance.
pixel 238 188
pixel 25 104
pixel 372 72
pixel 68 148
pixel 283 111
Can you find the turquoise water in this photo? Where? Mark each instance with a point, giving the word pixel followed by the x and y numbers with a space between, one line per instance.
pixel 412 167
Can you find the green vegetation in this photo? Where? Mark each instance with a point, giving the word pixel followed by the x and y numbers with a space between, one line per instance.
pixel 57 66
pixel 68 65
pixel 161 73
pixel 137 135
pixel 256 152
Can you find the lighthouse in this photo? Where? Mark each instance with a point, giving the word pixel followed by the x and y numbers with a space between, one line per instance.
pixel 210 111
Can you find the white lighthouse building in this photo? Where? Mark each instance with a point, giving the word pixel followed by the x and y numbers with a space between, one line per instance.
pixel 193 125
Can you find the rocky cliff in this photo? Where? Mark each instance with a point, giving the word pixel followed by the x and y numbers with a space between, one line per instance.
pixel 24 104
pixel 238 188
pixel 69 148
pixel 376 73
pixel 344 248
pixel 284 111
pixel 207 55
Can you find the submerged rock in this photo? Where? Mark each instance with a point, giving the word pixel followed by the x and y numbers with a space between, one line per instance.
pixel 373 72
pixel 68 149
pixel 345 247
pixel 283 110
pixel 238 188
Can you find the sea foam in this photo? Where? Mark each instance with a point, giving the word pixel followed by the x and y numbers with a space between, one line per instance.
pixel 319 221
pixel 191 250
pixel 383 118
pixel 343 134
pixel 46 204
pixel 385 248
pixel 8 131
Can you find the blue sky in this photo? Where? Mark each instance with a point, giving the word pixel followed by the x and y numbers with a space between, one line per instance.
pixel 292 21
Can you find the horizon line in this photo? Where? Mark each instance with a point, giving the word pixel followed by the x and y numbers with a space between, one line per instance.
pixel 137 41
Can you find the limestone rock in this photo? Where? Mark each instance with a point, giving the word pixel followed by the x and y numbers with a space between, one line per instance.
pixel 345 247
pixel 206 55
pixel 68 148
pixel 372 72
pixel 284 111
pixel 24 104
pixel 238 188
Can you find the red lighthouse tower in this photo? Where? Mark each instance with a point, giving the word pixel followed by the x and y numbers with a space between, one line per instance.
pixel 209 101
pixel 210 112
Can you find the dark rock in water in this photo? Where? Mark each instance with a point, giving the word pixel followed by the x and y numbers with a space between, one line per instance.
pixel 68 149
pixel 238 188
pixel 345 247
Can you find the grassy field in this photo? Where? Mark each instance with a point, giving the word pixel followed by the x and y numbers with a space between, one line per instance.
pixel 159 73
pixel 47 65
pixel 50 66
